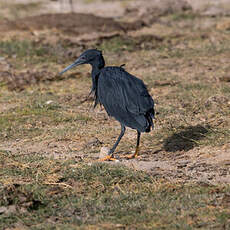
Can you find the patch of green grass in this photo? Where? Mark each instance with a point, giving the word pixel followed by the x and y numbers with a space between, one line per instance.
pixel 225 89
pixel 183 16
pixel 23 114
pixel 88 1
pixel 21 48
pixel 44 190
pixel 32 118
pixel 28 51
pixel 117 44
pixel 196 87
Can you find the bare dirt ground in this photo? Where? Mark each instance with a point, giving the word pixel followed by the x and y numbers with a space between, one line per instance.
pixel 175 159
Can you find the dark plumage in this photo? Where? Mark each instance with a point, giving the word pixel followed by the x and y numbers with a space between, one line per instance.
pixel 123 96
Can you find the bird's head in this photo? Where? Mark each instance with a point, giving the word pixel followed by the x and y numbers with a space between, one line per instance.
pixel 91 56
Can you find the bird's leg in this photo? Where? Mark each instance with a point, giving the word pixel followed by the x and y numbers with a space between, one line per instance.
pixel 138 143
pixel 131 156
pixel 110 156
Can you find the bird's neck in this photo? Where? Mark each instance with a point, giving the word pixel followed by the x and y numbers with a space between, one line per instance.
pixel 95 74
pixel 97 65
pixel 95 71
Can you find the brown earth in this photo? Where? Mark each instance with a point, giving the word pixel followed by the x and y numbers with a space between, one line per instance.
pixel 70 24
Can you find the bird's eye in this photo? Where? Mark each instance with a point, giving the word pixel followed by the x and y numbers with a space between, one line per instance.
pixel 83 58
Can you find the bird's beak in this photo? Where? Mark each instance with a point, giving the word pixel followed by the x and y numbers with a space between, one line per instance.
pixel 76 63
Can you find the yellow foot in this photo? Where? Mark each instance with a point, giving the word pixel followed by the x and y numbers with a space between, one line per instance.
pixel 132 156
pixel 107 158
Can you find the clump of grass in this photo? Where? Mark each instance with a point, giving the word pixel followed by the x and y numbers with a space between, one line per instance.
pixel 21 48
pixel 80 195
pixel 31 118
pixel 28 51
pixel 117 44
pixel 183 16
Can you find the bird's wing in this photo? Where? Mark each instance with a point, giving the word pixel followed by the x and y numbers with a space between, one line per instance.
pixel 119 89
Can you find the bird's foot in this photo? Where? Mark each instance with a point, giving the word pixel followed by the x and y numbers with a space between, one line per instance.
pixel 132 156
pixel 108 158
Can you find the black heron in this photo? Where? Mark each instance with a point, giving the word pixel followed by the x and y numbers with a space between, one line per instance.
pixel 124 96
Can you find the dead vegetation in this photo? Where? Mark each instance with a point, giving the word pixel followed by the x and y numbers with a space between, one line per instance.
pixel 50 136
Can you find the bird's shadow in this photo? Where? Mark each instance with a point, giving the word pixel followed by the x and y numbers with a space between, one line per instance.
pixel 185 139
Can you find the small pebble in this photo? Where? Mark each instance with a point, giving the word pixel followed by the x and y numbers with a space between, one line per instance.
pixel 3 209
pixel 104 152
pixel 49 102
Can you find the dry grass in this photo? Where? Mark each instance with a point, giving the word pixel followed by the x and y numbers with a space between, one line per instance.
pixel 50 136
pixel 63 194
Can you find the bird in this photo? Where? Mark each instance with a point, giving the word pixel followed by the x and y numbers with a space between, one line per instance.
pixel 123 96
